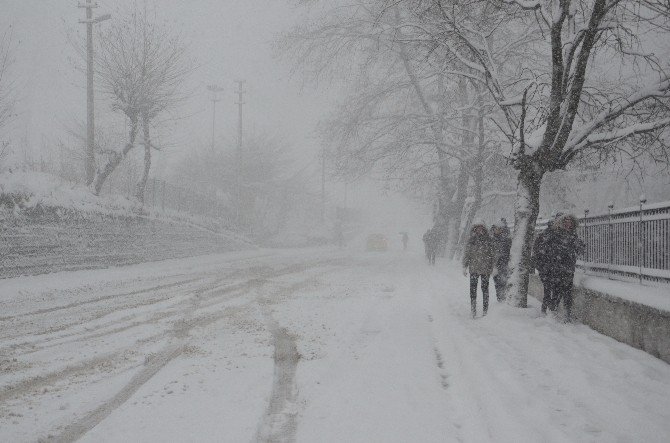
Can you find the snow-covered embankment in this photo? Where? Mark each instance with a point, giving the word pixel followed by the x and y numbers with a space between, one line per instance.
pixel 48 226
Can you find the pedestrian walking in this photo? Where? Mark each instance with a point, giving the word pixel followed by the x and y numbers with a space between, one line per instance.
pixel 502 243
pixel 539 262
pixel 405 240
pixel 559 251
pixel 478 261
pixel 430 240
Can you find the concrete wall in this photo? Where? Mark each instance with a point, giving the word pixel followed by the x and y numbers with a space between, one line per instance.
pixel 637 325
pixel 51 242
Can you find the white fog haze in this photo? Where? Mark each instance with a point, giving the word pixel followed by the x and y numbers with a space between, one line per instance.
pixel 335 221
pixel 226 42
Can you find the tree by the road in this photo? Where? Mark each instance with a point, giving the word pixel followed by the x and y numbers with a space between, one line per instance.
pixel 406 117
pixel 142 66
pixel 561 81
pixel 554 105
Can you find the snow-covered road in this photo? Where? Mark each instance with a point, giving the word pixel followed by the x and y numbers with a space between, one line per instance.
pixel 307 345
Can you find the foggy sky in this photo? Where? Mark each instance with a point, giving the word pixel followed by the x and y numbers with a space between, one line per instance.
pixel 229 39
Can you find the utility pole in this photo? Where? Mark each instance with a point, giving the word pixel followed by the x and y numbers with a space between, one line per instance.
pixel 240 102
pixel 214 89
pixel 89 165
pixel 323 185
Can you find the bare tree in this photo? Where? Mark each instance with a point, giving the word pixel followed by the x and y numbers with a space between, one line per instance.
pixel 142 66
pixel 538 60
pixel 407 116
pixel 275 196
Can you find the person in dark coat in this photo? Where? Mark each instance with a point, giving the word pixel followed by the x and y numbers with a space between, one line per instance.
pixel 405 240
pixel 478 261
pixel 503 226
pixel 502 243
pixel 430 240
pixel 561 247
pixel 539 262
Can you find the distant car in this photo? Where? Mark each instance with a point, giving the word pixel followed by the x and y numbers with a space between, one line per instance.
pixel 377 242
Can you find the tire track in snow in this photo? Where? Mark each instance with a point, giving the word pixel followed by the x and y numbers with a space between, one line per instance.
pixel 257 271
pixel 28 317
pixel 286 354
pixel 75 430
pixel 101 299
pixel 213 290
pixel 279 423
pixel 153 365
pixel 180 330
pixel 35 383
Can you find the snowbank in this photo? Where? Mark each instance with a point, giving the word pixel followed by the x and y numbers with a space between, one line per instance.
pixel 30 190
pixel 50 225
pixel 632 314
pixel 649 294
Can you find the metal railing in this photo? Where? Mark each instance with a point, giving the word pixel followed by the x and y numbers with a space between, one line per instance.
pixel 163 195
pixel 631 243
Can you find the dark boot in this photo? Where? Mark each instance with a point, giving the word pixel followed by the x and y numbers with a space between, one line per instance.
pixel 547 298
pixel 473 294
pixel 485 293
pixel 499 283
pixel 566 295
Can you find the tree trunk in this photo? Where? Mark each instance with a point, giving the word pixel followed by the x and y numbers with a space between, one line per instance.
pixel 102 174
pixel 456 209
pixel 478 177
pixel 467 141
pixel 526 209
pixel 444 198
pixel 141 186
pixel 477 173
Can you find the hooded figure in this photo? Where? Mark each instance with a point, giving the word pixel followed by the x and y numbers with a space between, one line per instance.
pixel 430 241
pixel 478 261
pixel 504 227
pixel 539 261
pixel 502 243
pixel 558 257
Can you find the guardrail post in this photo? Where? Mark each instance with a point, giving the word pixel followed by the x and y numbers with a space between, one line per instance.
pixel 610 240
pixel 640 237
pixel 586 238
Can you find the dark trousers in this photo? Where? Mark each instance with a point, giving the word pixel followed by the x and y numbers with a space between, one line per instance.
pixel 548 297
pixel 500 282
pixel 473 292
pixel 557 289
pixel 431 256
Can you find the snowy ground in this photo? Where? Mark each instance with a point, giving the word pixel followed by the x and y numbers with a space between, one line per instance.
pixel 311 345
